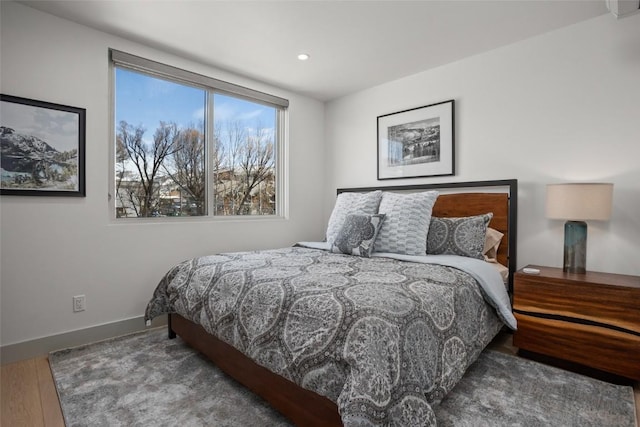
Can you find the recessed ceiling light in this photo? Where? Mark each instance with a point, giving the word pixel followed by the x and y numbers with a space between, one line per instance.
pixel 303 56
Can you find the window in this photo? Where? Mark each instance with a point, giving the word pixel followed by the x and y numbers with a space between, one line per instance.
pixel 188 145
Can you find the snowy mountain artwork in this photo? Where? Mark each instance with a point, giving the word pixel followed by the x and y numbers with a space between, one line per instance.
pixel 41 148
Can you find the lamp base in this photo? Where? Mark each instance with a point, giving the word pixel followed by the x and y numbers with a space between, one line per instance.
pixel 575 247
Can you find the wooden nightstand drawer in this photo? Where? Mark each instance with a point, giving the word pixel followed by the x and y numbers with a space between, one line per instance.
pixel 598 347
pixel 613 305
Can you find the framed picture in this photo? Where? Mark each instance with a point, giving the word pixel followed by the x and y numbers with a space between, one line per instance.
pixel 417 143
pixel 42 148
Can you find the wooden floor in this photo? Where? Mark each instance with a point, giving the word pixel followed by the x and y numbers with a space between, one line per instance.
pixel 29 396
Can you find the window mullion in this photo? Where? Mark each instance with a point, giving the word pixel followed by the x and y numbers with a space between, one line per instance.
pixel 209 156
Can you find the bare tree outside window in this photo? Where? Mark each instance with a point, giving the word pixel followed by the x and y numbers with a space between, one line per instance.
pixel 145 189
pixel 186 169
pixel 244 181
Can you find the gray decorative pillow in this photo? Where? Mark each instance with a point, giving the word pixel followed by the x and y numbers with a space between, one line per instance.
pixel 458 236
pixel 351 203
pixel 405 228
pixel 358 234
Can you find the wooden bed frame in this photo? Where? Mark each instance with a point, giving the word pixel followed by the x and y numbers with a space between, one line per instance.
pixel 304 407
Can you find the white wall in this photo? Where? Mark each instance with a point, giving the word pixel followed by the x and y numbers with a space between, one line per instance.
pixel 54 248
pixel 564 106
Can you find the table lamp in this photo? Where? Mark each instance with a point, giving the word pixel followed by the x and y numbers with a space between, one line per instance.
pixel 577 203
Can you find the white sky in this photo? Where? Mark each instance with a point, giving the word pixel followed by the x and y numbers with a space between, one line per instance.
pixel 57 128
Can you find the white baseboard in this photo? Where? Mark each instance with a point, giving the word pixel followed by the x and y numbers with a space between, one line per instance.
pixel 42 346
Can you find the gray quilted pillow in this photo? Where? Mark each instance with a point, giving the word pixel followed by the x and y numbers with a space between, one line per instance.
pixel 351 203
pixel 406 225
pixel 358 234
pixel 458 236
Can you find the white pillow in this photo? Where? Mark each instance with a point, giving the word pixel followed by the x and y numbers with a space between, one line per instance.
pixel 351 203
pixel 406 225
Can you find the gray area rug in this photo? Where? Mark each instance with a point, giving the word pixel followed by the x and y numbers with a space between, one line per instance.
pixel 146 379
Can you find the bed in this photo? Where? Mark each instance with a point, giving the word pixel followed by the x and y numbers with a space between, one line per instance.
pixel 329 338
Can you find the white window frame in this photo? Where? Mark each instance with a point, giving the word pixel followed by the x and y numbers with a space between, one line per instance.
pixel 119 59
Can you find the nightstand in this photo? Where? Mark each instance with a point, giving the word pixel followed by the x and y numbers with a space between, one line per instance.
pixel 592 319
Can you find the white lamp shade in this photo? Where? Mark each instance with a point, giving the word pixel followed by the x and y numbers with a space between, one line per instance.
pixel 580 201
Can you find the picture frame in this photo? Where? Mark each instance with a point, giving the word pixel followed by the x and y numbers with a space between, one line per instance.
pixel 419 142
pixel 42 148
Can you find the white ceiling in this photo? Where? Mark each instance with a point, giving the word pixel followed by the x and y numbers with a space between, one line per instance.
pixel 353 44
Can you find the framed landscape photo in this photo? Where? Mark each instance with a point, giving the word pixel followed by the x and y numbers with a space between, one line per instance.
pixel 417 143
pixel 42 148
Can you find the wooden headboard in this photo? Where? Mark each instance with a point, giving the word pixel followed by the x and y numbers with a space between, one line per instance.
pixel 500 198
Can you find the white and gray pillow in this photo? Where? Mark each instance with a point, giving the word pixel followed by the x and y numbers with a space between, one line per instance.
pixel 351 203
pixel 406 225
pixel 463 236
pixel 358 234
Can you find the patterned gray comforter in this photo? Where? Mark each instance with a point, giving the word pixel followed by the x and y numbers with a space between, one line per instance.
pixel 383 338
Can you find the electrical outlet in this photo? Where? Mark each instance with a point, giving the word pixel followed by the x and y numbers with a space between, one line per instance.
pixel 79 303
